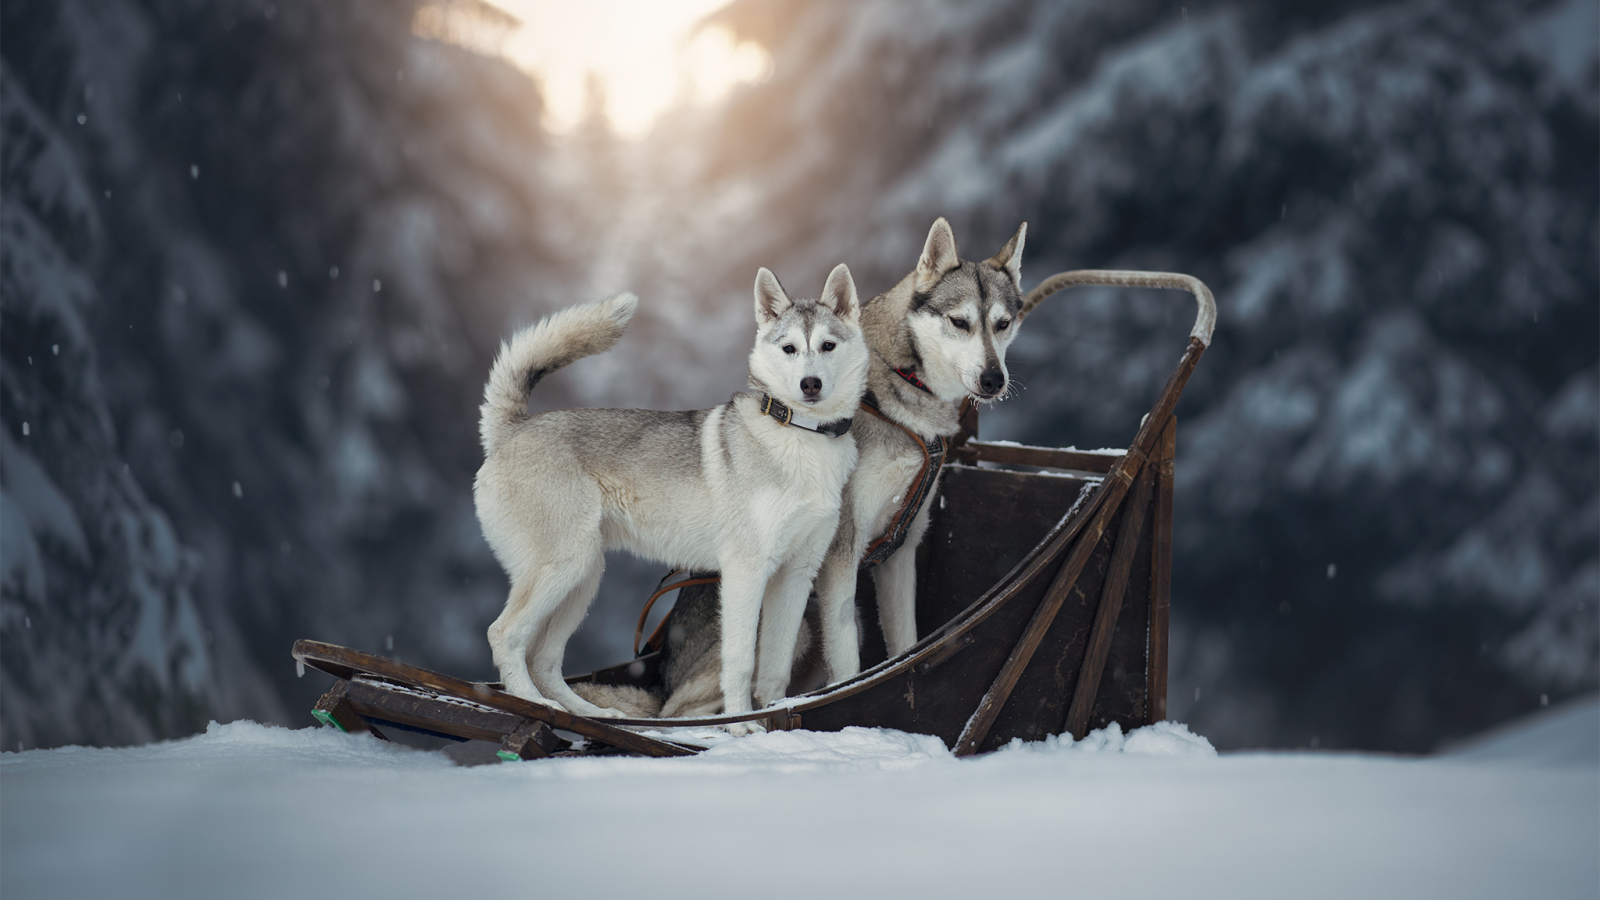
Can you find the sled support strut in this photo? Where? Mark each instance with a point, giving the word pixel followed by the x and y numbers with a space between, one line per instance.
pixel 1105 618
pixel 1153 434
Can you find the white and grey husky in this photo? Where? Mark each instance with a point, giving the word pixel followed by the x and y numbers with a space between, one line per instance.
pixel 937 337
pixel 751 487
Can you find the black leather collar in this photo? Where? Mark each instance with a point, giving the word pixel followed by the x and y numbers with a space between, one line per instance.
pixel 775 409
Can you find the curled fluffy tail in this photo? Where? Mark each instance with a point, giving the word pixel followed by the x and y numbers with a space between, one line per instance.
pixel 557 340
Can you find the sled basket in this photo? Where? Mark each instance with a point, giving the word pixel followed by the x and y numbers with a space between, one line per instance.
pixel 1045 612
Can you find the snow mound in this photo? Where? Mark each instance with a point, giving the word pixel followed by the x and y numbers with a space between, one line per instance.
pixel 851 751
pixel 852 748
pixel 884 749
pixel 1567 735
pixel 1160 739
pixel 268 747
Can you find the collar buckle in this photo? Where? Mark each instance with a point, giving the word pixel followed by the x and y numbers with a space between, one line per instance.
pixel 771 406
pixel 770 403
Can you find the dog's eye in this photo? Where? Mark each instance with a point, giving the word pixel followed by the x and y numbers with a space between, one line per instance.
pixel 827 346
pixel 789 349
pixel 1002 325
pixel 961 323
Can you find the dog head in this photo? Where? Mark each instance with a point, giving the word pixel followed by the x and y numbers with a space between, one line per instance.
pixel 963 315
pixel 810 354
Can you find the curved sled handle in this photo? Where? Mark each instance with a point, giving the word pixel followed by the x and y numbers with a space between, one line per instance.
pixel 1204 321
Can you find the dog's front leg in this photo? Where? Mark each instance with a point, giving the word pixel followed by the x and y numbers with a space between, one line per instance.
pixel 836 597
pixel 896 583
pixel 741 612
pixel 782 607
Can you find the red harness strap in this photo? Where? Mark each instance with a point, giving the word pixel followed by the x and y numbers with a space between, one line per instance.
pixel 911 376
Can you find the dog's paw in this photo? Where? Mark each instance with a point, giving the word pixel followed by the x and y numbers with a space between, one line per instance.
pixel 740 729
pixel 532 695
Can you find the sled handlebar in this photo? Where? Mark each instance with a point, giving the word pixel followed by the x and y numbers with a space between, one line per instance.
pixel 1205 320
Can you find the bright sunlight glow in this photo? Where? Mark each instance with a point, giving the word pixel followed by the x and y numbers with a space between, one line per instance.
pixel 645 55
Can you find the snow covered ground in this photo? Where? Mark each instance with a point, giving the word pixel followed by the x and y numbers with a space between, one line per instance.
pixel 247 810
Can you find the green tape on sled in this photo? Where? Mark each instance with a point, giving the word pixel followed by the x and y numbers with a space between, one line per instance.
pixel 326 718
pixel 508 756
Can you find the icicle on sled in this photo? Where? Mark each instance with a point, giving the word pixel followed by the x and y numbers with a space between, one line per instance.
pixel 1046 612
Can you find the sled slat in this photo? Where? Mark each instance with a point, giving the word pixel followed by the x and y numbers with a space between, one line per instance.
pixel 945 651
pixel 428 714
pixel 1105 618
pixel 318 654
pixel 335 708
pixel 1042 457
pixel 1161 574
pixel 783 719
pixel 530 740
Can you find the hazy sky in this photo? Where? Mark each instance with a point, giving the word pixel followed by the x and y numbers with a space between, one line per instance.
pixel 641 50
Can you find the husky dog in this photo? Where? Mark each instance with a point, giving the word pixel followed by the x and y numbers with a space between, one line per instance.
pixel 751 487
pixel 937 337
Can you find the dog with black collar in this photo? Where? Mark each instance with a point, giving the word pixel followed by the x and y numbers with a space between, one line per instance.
pixel 751 488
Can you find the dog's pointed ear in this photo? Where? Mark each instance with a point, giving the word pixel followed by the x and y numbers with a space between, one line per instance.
pixel 839 294
pixel 1010 256
pixel 771 301
pixel 938 255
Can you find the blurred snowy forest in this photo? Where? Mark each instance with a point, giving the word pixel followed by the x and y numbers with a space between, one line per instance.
pixel 257 257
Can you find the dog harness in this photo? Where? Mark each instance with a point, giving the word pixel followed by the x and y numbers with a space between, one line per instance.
pixel 771 407
pixel 932 460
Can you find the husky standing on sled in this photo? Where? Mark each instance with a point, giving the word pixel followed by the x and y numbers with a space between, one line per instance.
pixel 937 337
pixel 751 488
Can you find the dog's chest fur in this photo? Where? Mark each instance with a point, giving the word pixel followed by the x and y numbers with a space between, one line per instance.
pixel 889 462
pixel 801 478
pixel 889 459
pixel 760 486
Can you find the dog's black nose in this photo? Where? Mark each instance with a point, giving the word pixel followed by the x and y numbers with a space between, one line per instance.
pixel 811 386
pixel 992 382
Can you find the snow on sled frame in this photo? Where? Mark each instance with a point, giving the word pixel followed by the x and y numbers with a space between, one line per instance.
pixel 1046 612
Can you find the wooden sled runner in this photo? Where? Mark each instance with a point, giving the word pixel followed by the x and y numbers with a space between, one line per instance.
pixel 1045 612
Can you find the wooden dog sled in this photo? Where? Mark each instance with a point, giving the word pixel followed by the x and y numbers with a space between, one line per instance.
pixel 1045 612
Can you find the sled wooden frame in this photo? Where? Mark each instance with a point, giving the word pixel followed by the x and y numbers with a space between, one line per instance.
pixel 1070 635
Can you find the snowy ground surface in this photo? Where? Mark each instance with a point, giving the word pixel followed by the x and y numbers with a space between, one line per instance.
pixel 247 810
